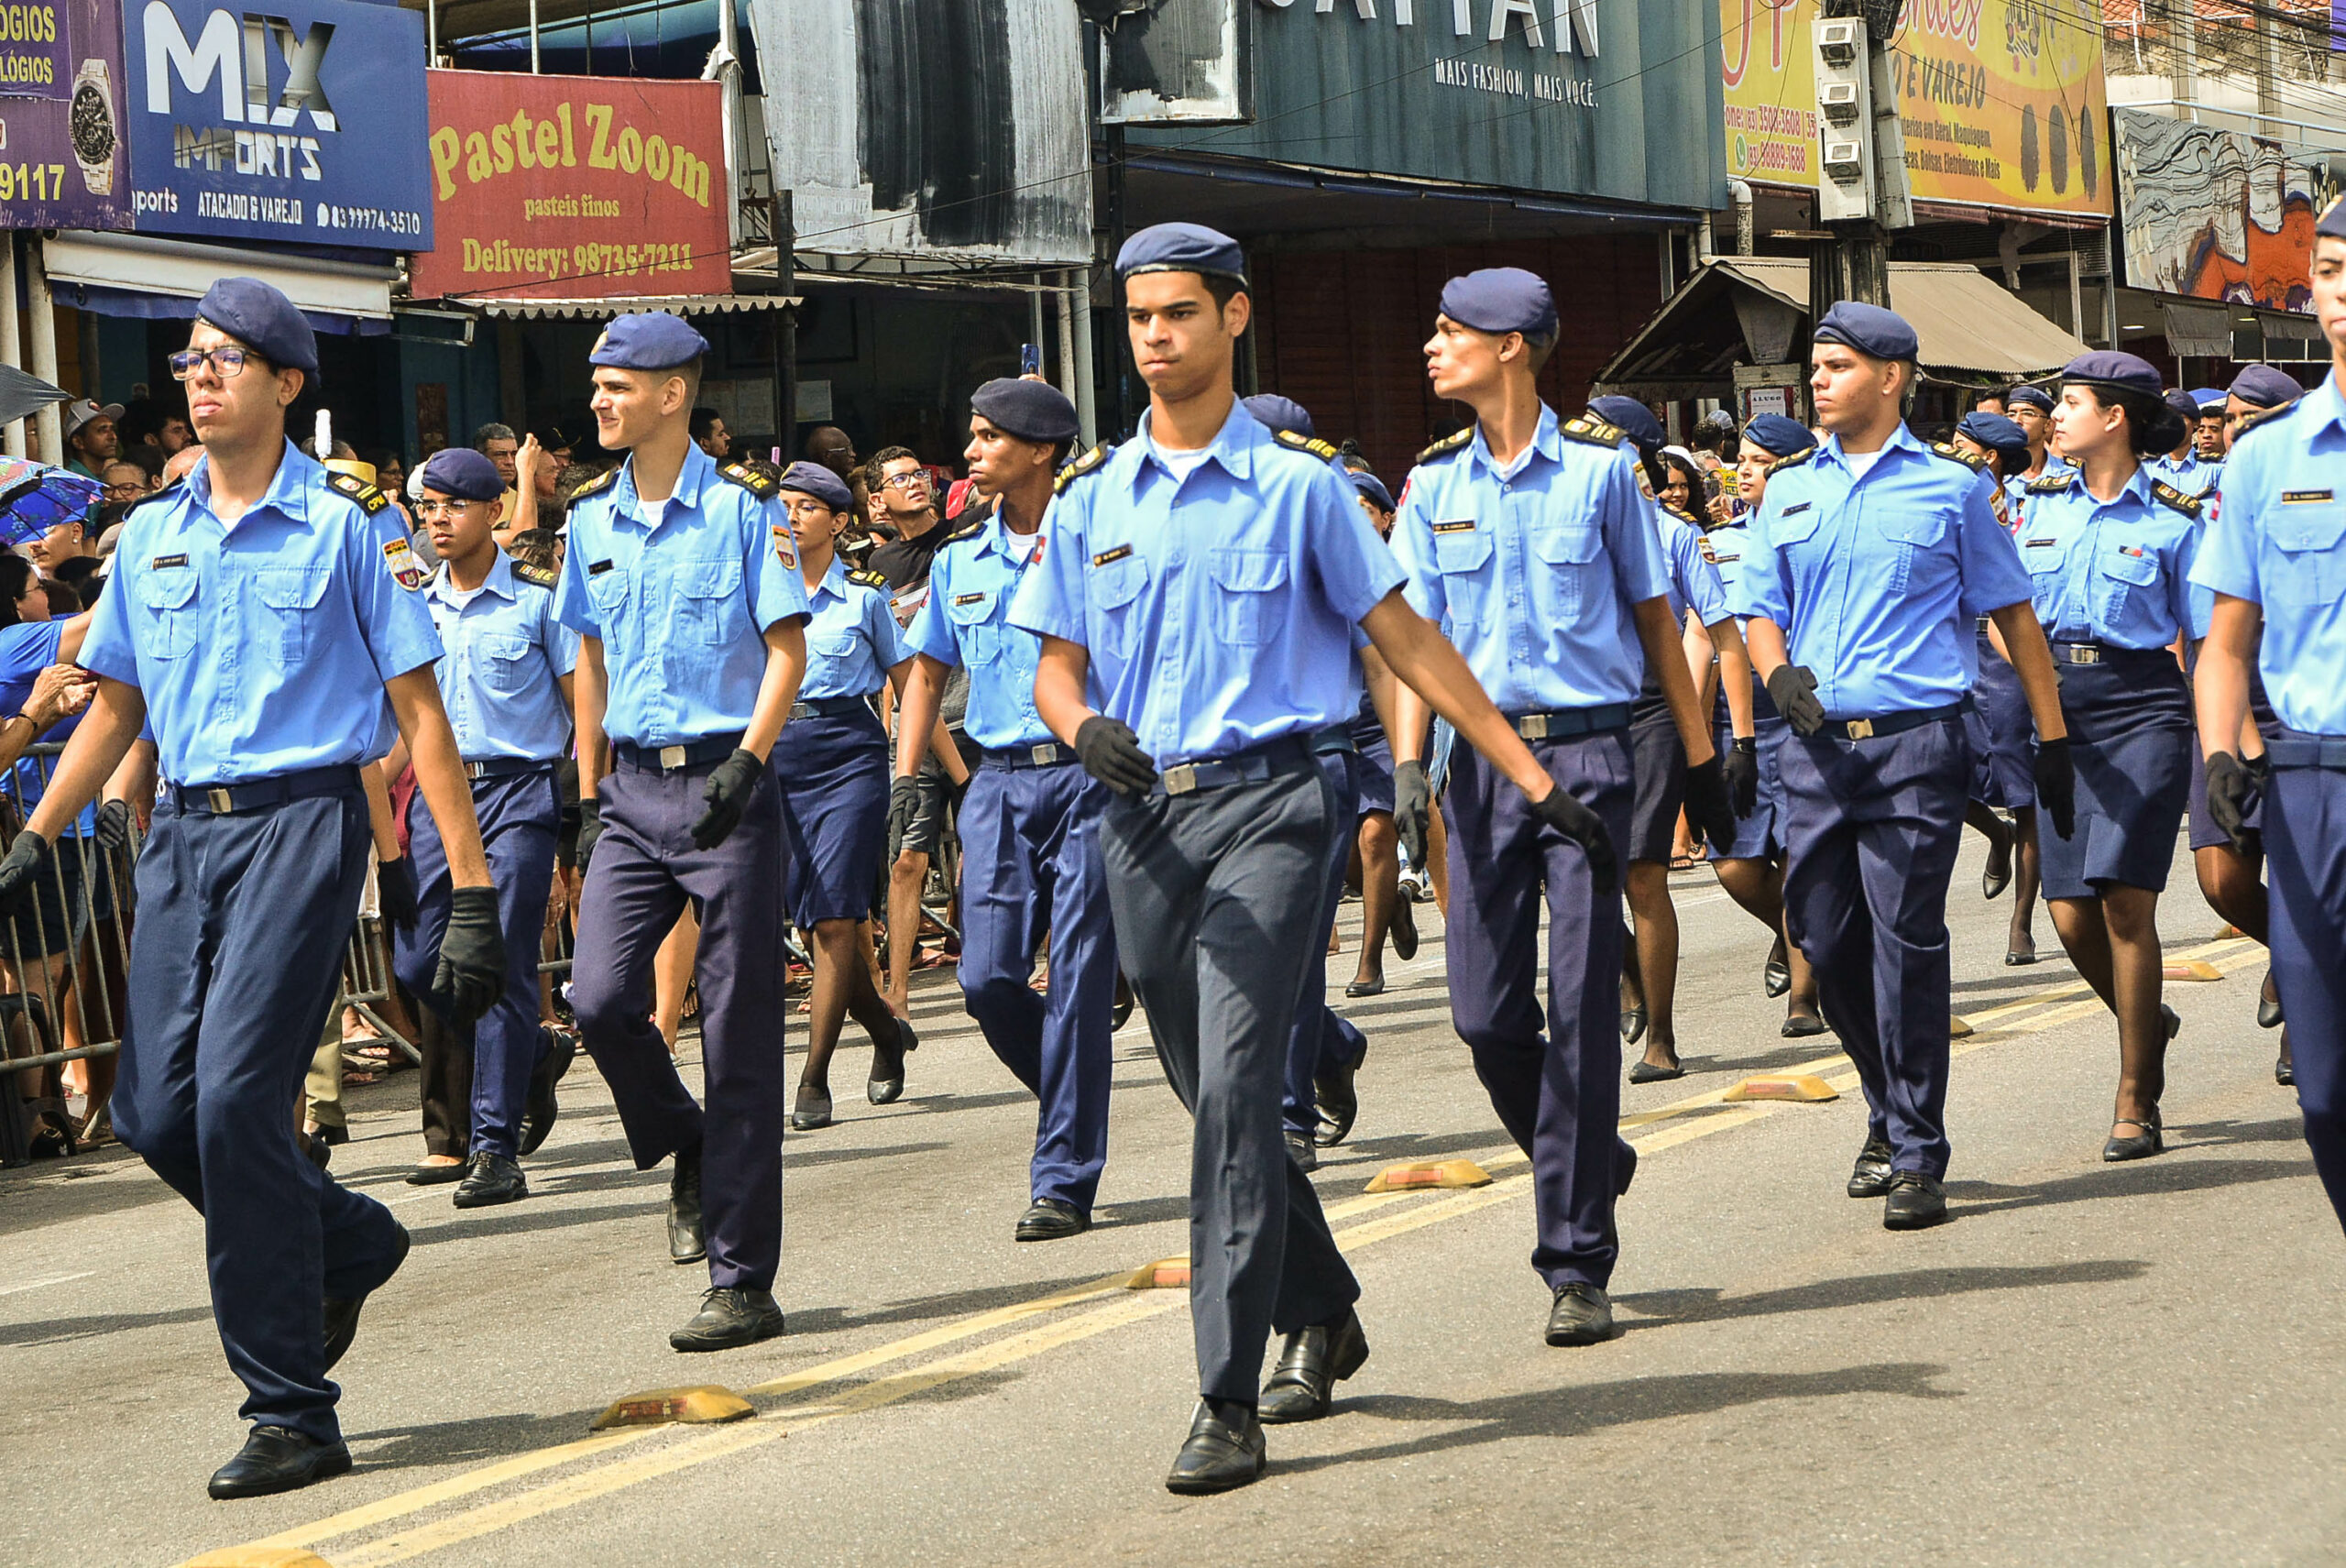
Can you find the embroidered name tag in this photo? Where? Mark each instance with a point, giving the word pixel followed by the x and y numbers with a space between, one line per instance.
pixel 1458 525
pixel 1105 556
pixel 968 598
pixel 598 568
pixel 1797 508
pixel 2038 543
pixel 2299 498
pixel 163 561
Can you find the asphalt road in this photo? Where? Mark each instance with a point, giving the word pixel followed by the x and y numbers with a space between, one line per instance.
pixel 2136 1364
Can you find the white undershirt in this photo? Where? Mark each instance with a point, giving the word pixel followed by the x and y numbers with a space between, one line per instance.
pixel 1861 463
pixel 1181 464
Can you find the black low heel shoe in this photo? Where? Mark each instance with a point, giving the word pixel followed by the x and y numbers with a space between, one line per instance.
pixel 2144 1144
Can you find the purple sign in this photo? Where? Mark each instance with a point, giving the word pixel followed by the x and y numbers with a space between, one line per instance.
pixel 62 160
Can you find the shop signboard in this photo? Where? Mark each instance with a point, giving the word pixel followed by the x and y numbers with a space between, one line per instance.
pixel 62 157
pixel 574 187
pixel 2001 101
pixel 2217 215
pixel 304 123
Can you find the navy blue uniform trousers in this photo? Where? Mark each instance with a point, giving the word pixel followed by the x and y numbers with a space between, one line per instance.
pixel 2305 861
pixel 1215 896
pixel 244 921
pixel 643 871
pixel 1322 1036
pixel 1030 863
pixel 1555 1081
pixel 520 815
pixel 1873 830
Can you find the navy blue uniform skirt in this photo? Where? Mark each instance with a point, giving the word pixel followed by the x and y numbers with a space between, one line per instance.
pixel 1372 764
pixel 2130 735
pixel 1657 763
pixel 2001 731
pixel 834 776
pixel 1759 835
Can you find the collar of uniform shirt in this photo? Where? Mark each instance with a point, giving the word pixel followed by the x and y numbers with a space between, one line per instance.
pixel 288 492
pixel 834 581
pixel 2327 404
pixel 698 469
pixel 499 580
pixel 1233 445
pixel 1547 442
pixel 1901 439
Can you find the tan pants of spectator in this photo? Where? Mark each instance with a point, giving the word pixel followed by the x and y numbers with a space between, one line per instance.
pixel 321 1092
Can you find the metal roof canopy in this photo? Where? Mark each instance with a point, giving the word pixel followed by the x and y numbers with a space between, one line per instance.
pixel 1972 330
pixel 679 305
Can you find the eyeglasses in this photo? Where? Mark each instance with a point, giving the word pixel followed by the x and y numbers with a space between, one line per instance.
pixel 454 508
pixel 227 363
pixel 124 492
pixel 903 481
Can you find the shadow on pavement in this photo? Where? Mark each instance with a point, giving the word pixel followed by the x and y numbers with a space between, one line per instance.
pixel 920 1308
pixel 1704 1306
pixel 63 1331
pixel 2132 1179
pixel 464 1441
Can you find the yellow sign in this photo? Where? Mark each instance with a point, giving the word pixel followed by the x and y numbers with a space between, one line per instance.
pixel 2001 100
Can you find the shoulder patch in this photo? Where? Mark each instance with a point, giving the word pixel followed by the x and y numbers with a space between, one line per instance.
pixel 1954 453
pixel 370 500
pixel 1594 431
pixel 544 576
pixel 868 579
pixel 601 481
pixel 750 480
pixel 2262 416
pixel 1323 450
pixel 2051 484
pixel 1088 463
pixel 400 560
pixel 1792 461
pixel 2189 506
pixel 1447 444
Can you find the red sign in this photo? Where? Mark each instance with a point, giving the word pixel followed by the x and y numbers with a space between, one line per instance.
pixel 575 187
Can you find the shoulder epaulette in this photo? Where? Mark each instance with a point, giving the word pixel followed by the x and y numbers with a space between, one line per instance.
pixel 2189 506
pixel 1594 431
pixel 1682 515
pixel 1792 461
pixel 166 493
pixel 601 481
pixel 2262 416
pixel 968 526
pixel 1088 463
pixel 1447 444
pixel 370 500
pixel 750 480
pixel 2049 484
pixel 868 579
pixel 1971 460
pixel 1324 451
pixel 544 576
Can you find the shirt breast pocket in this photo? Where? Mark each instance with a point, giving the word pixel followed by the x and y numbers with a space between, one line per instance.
pixel 1920 559
pixel 2122 576
pixel 607 592
pixel 1114 592
pixel 2305 536
pixel 501 660
pixel 1463 558
pixel 1570 550
pixel 290 596
pixel 1250 603
pixel 973 630
pixel 709 610
pixel 167 613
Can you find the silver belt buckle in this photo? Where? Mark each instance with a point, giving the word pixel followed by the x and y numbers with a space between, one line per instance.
pixel 670 757
pixel 1181 778
pixel 476 771
pixel 1860 728
pixel 1043 756
pixel 1532 727
pixel 221 800
pixel 2085 655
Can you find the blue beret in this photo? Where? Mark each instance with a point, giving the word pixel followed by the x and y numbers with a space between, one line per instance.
pixel 1778 436
pixel 2262 387
pixel 2116 369
pixel 1501 299
pixel 654 340
pixel 2036 398
pixel 1182 248
pixel 462 474
pixel 1999 435
pixel 813 480
pixel 1280 413
pixel 1635 420
pixel 1372 487
pixel 263 320
pixel 2333 222
pixel 1869 330
pixel 1031 410
pixel 2183 403
pixel 2210 400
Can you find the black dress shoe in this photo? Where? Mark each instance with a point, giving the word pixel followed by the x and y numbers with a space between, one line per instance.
pixel 1366 987
pixel 1777 974
pixel 1218 1456
pixel 1996 874
pixel 2285 1071
pixel 2148 1139
pixel 1915 1202
pixel 1403 930
pixel 684 1242
pixel 335 1137
pixel 1120 1012
pixel 342 1314
pixel 1582 1314
pixel 538 1113
pixel 2173 1020
pixel 729 1318
pixel 1797 1026
pixel 1301 1150
pixel 436 1174
pixel 1312 1360
pixel 1650 1072
pixel 2268 1007
pixel 491 1180
pixel 278 1459
pixel 812 1112
pixel 1051 1220
pixel 886 1084
pixel 1633 1024
pixel 1869 1178
pixel 1338 1097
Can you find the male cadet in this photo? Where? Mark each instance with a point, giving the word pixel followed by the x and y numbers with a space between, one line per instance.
pixel 1196 598
pixel 2188 469
pixel 505 681
pixel 1869 558
pixel 683 584
pixel 1030 824
pixel 261 615
pixel 2276 557
pixel 1529 539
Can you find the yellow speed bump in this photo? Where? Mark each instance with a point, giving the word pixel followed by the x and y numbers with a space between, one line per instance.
pixel 1957 1026
pixel 1440 1173
pixel 659 1407
pixel 2196 969
pixel 1803 1086
pixel 257 1557
pixel 1165 1274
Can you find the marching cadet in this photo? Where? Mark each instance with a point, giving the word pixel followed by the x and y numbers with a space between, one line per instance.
pixel 1866 561
pixel 2031 408
pixel 505 681
pixel 2109 550
pixel 1529 539
pixel 264 619
pixel 1196 600
pixel 834 779
pixel 681 580
pixel 1030 823
pixel 2276 557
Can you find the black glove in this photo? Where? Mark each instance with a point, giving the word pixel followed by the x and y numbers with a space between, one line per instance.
pixel 114 824
pixel 1583 827
pixel 2233 785
pixel 1743 775
pixel 1111 753
pixel 471 975
pixel 728 796
pixel 395 891
pixel 904 804
pixel 1710 804
pixel 1413 809
pixel 2056 785
pixel 27 861
pixel 590 830
pixel 1793 688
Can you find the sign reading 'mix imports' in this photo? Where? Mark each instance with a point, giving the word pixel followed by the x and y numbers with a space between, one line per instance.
pixel 575 187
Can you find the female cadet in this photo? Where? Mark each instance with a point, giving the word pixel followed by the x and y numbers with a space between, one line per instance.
pixel 1750 866
pixel 1378 847
pixel 834 779
pixel 2109 550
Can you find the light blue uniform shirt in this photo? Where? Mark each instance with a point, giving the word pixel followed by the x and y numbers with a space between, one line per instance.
pixel 1218 610
pixel 851 637
pixel 502 680
pixel 2191 474
pixel 1876 581
pixel 262 646
pixel 681 594
pixel 965 622
pixel 1535 568
pixel 1693 581
pixel 2016 490
pixel 2115 572
pixel 2278 540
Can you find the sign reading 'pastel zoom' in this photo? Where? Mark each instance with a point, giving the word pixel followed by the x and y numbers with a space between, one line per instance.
pixel 304 122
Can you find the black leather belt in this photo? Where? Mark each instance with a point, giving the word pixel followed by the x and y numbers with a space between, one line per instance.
pixel 2085 651
pixel 1891 723
pixel 1049 754
pixel 1244 767
pixel 1558 723
pixel 226 800
pixel 830 707
pixel 671 759
pixel 505 767
pixel 1336 741
pixel 2306 751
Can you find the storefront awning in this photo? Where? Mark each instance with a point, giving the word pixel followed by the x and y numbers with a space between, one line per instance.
pixel 595 310
pixel 142 275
